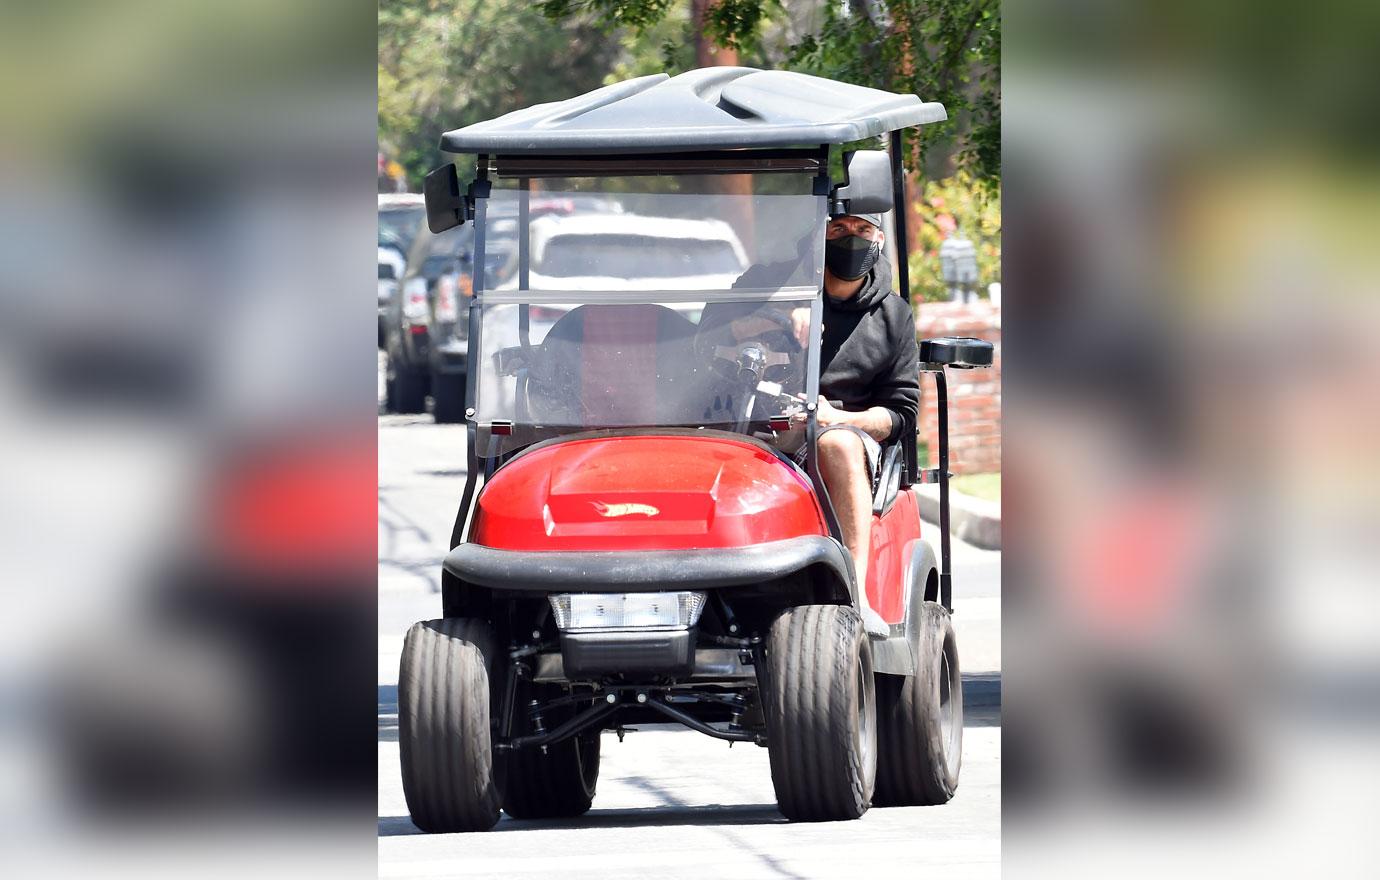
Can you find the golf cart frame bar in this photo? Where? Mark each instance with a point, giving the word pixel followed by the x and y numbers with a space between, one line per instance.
pixel 639 164
pixel 527 168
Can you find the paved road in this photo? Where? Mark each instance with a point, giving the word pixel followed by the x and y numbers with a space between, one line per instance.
pixel 671 803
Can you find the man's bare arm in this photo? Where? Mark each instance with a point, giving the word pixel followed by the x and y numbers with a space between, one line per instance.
pixel 875 421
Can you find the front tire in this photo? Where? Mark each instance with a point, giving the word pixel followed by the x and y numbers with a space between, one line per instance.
pixel 819 700
pixel 920 720
pixel 446 688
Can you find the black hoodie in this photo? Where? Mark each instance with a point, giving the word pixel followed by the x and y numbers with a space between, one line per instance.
pixel 868 355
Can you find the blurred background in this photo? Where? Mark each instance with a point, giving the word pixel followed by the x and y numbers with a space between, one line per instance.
pixel 187 437
pixel 1190 627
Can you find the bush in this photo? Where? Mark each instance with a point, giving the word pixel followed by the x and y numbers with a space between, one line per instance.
pixel 956 202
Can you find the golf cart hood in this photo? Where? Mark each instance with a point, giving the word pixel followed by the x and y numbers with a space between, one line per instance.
pixel 697 490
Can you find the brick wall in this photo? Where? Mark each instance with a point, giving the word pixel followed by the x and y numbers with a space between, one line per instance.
pixel 974 395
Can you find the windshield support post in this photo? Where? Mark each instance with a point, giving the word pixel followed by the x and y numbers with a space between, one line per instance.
pixel 910 464
pixel 812 420
pixel 474 347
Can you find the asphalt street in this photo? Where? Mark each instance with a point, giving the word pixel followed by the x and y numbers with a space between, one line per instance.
pixel 671 802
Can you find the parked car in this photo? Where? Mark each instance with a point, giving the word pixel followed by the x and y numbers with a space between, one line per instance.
pixel 408 316
pixel 426 328
pixel 401 216
pixel 633 252
pixel 392 259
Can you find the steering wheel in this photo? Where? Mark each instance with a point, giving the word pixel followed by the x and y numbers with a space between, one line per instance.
pixel 770 351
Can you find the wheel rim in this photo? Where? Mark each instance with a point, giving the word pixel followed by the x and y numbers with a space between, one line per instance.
pixel 949 689
pixel 866 723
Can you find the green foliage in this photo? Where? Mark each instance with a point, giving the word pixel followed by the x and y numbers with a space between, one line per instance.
pixel 444 64
pixel 448 63
pixel 730 24
pixel 943 50
pixel 974 208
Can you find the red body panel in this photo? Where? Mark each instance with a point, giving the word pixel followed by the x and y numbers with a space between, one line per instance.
pixel 645 492
pixel 892 535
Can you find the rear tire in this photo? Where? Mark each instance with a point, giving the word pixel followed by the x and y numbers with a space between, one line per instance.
pixel 920 720
pixel 448 397
pixel 406 389
pixel 818 697
pixel 556 785
pixel 445 702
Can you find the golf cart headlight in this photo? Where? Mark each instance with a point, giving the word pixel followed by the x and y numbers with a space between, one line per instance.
pixel 585 611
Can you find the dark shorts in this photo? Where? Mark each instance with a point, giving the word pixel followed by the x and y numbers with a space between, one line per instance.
pixel 871 447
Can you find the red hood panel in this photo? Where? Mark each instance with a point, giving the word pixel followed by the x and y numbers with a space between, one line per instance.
pixel 645 492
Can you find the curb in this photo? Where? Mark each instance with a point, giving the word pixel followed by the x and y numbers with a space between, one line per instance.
pixel 972 520
pixel 982 691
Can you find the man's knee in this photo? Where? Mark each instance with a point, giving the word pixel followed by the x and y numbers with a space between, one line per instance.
pixel 842 452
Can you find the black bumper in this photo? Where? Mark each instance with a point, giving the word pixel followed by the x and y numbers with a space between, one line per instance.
pixel 633 571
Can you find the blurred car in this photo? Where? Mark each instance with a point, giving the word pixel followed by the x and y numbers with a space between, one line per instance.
pixel 608 250
pixel 627 251
pixel 425 326
pixel 407 317
pixel 391 262
pixel 401 217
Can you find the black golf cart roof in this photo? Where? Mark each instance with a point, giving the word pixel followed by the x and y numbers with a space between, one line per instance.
pixel 706 109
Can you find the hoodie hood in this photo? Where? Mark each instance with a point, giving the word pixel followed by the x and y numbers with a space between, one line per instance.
pixel 876 286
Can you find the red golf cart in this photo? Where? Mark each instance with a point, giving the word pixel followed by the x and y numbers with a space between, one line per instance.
pixel 636 542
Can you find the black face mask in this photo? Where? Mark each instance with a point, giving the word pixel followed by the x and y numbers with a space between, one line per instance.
pixel 850 257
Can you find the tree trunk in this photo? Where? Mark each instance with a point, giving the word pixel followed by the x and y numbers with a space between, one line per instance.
pixel 901 26
pixel 707 54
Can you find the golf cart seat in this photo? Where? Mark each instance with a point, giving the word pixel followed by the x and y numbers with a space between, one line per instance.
pixel 611 365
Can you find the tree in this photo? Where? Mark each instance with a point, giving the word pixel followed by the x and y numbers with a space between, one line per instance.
pixel 941 50
pixel 444 64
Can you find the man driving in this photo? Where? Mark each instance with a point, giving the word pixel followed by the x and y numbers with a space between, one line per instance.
pixel 869 365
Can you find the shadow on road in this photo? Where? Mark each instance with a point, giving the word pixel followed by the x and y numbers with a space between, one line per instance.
pixel 632 817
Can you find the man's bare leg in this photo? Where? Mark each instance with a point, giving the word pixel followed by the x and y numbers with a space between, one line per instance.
pixel 843 464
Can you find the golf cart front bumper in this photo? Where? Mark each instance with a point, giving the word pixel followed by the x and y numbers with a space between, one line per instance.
pixel 631 571
pixel 634 653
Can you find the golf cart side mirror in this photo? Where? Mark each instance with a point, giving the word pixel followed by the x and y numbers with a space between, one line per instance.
pixel 868 190
pixel 962 352
pixel 446 206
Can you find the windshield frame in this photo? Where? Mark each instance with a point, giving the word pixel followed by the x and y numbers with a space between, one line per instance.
pixel 525 169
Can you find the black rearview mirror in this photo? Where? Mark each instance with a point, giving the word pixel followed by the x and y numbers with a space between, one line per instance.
pixel 868 190
pixel 446 206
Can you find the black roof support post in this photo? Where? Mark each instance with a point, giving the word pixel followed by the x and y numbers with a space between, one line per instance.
pixel 909 458
pixel 898 207
pixel 457 534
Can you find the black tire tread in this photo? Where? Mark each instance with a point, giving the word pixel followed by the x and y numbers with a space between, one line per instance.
pixel 444 706
pixel 809 694
pixel 911 769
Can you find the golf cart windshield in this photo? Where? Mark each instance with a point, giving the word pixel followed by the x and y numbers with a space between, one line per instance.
pixel 648 301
